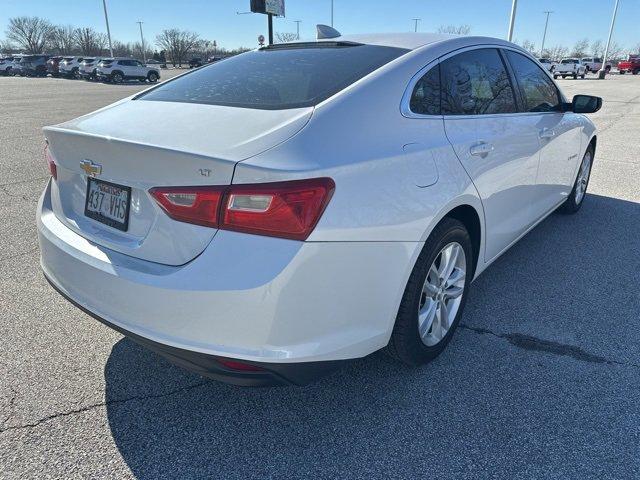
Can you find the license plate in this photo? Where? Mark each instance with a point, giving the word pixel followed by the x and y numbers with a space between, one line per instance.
pixel 108 203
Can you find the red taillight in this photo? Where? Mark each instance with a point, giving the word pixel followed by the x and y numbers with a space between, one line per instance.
pixel 241 366
pixel 283 209
pixel 53 170
pixel 199 205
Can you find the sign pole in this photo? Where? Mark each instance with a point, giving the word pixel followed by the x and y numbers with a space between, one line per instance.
pixel 270 22
pixel 512 19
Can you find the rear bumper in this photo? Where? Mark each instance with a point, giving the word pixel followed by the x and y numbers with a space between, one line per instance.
pixel 270 375
pixel 256 299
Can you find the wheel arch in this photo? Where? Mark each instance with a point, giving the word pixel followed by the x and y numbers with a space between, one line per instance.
pixel 470 218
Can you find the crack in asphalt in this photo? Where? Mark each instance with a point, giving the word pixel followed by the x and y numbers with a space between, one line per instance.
pixel 534 344
pixel 102 404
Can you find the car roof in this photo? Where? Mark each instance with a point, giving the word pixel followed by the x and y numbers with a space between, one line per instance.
pixel 411 40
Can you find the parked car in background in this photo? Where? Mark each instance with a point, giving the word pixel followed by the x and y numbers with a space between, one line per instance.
pixel 195 63
pixel 53 66
pixel 70 67
pixel 117 70
pixel 16 68
pixel 631 64
pixel 34 65
pixel 6 65
pixel 594 64
pixel 258 238
pixel 570 67
pixel 548 64
pixel 88 68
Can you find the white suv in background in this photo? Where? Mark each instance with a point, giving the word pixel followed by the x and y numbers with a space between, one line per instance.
pixel 594 64
pixel 88 68
pixel 119 69
pixel 70 66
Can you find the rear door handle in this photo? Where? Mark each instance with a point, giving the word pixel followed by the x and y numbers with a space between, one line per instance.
pixel 481 149
pixel 547 133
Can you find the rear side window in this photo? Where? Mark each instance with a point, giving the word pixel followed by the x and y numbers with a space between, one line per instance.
pixel 476 83
pixel 425 98
pixel 279 77
pixel 538 91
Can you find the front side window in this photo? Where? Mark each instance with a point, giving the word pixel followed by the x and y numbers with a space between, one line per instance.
pixel 277 77
pixel 476 83
pixel 539 92
pixel 425 98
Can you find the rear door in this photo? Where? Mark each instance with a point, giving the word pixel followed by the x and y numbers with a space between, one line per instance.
pixel 496 144
pixel 558 132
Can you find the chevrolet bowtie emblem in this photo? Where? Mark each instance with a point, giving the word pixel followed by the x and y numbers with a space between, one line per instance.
pixel 90 168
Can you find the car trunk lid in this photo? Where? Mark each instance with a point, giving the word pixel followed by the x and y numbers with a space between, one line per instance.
pixel 146 144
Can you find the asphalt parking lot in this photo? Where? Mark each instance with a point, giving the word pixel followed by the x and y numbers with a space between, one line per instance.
pixel 541 381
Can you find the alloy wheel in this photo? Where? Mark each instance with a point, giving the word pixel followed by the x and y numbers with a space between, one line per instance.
pixel 442 294
pixel 583 178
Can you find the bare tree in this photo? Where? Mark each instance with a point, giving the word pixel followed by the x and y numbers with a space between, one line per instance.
pixel 581 48
pixel 6 46
pixel 136 51
pixel 597 48
pixel 284 37
pixel 456 30
pixel 177 43
pixel 616 51
pixel 636 49
pixel 32 34
pixel 528 45
pixel 556 53
pixel 121 49
pixel 89 41
pixel 63 39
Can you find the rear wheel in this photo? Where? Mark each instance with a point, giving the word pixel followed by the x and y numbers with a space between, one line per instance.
pixel 117 77
pixel 582 76
pixel 435 295
pixel 636 71
pixel 573 203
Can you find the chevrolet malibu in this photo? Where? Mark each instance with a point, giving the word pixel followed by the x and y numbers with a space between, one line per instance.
pixel 266 218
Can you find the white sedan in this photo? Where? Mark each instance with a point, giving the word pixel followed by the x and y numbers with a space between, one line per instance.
pixel 263 219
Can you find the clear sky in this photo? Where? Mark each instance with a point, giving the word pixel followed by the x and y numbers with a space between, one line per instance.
pixel 217 19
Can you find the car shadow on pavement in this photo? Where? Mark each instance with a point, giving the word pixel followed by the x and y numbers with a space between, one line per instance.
pixel 486 401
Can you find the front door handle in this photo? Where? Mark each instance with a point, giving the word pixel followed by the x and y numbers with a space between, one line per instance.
pixel 547 133
pixel 481 149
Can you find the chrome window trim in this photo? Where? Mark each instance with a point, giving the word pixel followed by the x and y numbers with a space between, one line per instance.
pixel 405 103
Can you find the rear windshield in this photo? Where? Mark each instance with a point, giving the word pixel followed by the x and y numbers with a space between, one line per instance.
pixel 68 59
pixel 569 60
pixel 88 60
pixel 277 77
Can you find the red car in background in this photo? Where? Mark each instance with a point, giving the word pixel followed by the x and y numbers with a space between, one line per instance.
pixel 632 64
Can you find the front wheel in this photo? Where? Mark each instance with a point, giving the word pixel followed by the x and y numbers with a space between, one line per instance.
pixel 152 77
pixel 117 77
pixel 636 71
pixel 582 76
pixel 573 203
pixel 435 295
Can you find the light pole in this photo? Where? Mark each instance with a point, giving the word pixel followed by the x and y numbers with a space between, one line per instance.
pixel 298 28
pixel 106 19
pixel 332 13
pixel 544 36
pixel 144 50
pixel 603 70
pixel 415 23
pixel 512 20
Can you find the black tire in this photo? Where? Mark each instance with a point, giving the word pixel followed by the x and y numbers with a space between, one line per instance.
pixel 622 72
pixel 571 204
pixel 582 76
pixel 607 68
pixel 152 77
pixel 117 77
pixel 575 76
pixel 555 77
pixel 636 71
pixel 564 76
pixel 405 344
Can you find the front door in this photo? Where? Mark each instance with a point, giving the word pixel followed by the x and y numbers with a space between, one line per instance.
pixel 498 147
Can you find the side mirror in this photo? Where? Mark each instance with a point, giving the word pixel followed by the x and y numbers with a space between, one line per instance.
pixel 586 104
